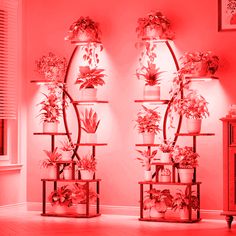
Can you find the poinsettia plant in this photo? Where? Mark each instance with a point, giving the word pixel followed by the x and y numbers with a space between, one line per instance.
pixel 148 120
pixel 90 78
pixel 147 157
pixel 52 158
pixel 185 157
pixel 155 20
pixel 89 120
pixel 87 162
pixel 84 25
pixel 61 196
pixel 160 199
pixel 52 67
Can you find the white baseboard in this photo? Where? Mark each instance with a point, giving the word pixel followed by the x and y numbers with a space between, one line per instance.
pixel 130 210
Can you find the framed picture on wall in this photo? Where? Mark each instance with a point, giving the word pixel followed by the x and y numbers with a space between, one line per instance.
pixel 226 15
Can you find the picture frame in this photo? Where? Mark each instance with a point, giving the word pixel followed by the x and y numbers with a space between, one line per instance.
pixel 226 15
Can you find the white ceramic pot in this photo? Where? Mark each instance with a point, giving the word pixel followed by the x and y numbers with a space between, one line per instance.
pixel 148 175
pixel 67 173
pixel 86 175
pixel 165 178
pixel 58 209
pixel 50 127
pixel 83 36
pixel 156 214
pixel 186 175
pixel 148 138
pixel 66 156
pixel 184 213
pixel 194 125
pixel 81 209
pixel 52 172
pixel 165 157
pixel 88 94
pixel 153 33
pixel 151 92
pixel 91 138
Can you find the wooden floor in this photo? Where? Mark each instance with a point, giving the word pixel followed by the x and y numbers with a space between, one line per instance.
pixel 19 222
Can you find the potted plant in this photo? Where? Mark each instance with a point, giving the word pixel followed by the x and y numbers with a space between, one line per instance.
pixel 90 122
pixel 166 147
pixel 165 175
pixel 67 147
pixel 84 30
pixel 154 26
pixel 67 172
pixel 51 110
pixel 79 197
pixel 148 124
pixel 50 163
pixel 184 201
pixel 157 201
pixel 146 160
pixel 186 161
pixel 199 63
pixel 87 166
pixel 60 199
pixel 52 67
pixel 151 75
pixel 88 79
pixel 194 107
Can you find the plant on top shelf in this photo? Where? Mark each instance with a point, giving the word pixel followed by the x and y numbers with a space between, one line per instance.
pixel 52 67
pixel 157 201
pixel 154 26
pixel 148 123
pixel 84 30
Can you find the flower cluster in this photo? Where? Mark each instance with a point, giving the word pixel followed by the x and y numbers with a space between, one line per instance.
pixel 155 20
pixel 185 157
pixel 84 25
pixel 88 162
pixel 148 120
pixel 52 67
pixel 193 106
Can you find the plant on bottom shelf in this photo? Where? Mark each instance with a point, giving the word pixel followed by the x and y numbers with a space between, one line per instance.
pixel 90 121
pixel 52 158
pixel 90 77
pixel 52 67
pixel 146 159
pixel 158 200
pixel 61 196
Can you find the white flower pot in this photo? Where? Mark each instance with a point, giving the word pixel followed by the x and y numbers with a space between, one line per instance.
pixel 153 33
pixel 50 127
pixel 148 138
pixel 165 178
pixel 81 208
pixel 66 156
pixel 186 175
pixel 194 125
pixel 83 36
pixel 165 157
pixel 151 92
pixel 88 94
pixel 184 213
pixel 91 138
pixel 67 173
pixel 58 209
pixel 156 214
pixel 51 172
pixel 148 175
pixel 86 174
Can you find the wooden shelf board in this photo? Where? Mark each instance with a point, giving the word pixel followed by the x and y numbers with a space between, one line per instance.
pixel 86 102
pixel 152 101
pixel 146 145
pixel 71 180
pixel 156 40
pixel 163 163
pixel 201 78
pixel 71 215
pixel 82 43
pixel 194 134
pixel 172 220
pixel 91 144
pixel 45 81
pixel 50 133
pixel 169 183
pixel 64 162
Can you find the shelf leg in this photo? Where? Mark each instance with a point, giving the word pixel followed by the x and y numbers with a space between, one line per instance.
pixel 87 199
pixel 229 220
pixel 198 196
pixel 98 199
pixel 141 201
pixel 194 150
pixel 52 143
pixel 44 197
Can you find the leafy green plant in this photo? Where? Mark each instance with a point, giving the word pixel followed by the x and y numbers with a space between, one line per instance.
pixel 87 162
pixel 90 121
pixel 146 158
pixel 52 157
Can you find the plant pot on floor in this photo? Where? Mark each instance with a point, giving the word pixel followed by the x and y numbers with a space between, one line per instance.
pixel 151 92
pixel 156 214
pixel 194 125
pixel 186 175
pixel 89 94
pixel 147 175
pixel 86 174
pixel 50 127
pixel 148 138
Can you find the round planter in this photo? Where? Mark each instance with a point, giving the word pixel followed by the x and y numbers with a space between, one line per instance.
pixel 50 127
pixel 186 175
pixel 66 156
pixel 148 138
pixel 67 173
pixel 165 178
pixel 156 214
pixel 88 94
pixel 86 174
pixel 200 69
pixel 184 213
pixel 52 172
pixel 165 157
pixel 151 92
pixel 91 138
pixel 153 33
pixel 148 175
pixel 194 125
pixel 83 36
pixel 58 209
pixel 81 208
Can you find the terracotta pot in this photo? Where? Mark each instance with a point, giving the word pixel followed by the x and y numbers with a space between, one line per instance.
pixel 165 157
pixel 51 172
pixel 156 214
pixel 50 127
pixel 184 213
pixel 86 175
pixel 88 94
pixel 151 92
pixel 194 125
pixel 148 138
pixel 148 175
pixel 186 175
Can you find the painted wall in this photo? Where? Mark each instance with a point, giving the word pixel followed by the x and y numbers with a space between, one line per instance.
pixel 195 23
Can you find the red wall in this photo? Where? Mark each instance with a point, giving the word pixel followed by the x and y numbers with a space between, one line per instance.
pixel 195 23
